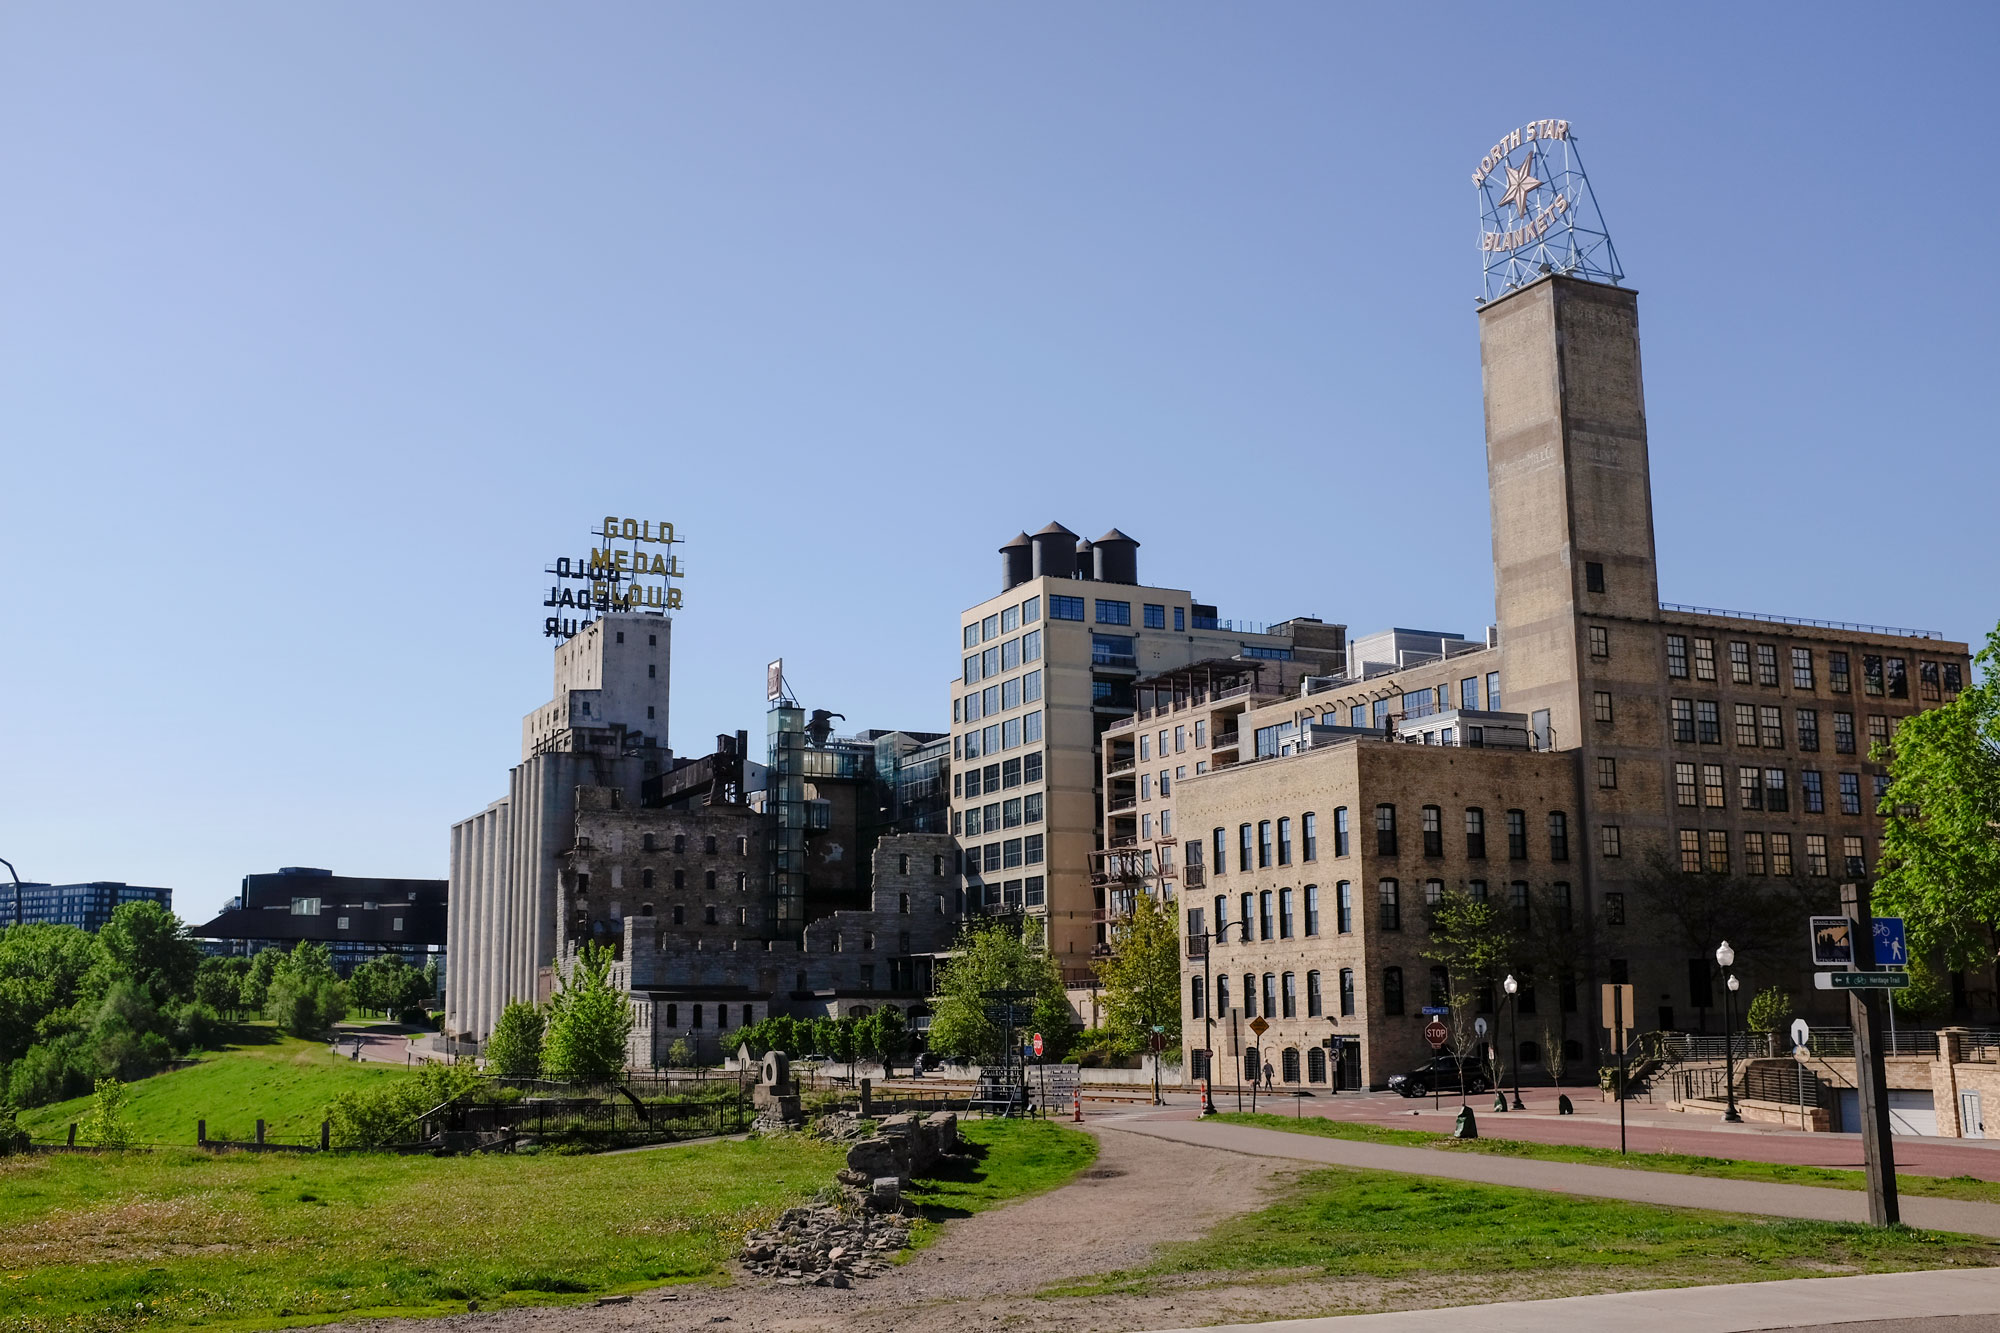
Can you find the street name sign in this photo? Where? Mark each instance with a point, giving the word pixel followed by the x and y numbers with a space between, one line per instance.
pixel 1436 1010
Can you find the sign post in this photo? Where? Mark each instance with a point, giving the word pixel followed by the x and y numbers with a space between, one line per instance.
pixel 1258 1027
pixel 1616 1004
pixel 1437 1034
pixel 1876 1150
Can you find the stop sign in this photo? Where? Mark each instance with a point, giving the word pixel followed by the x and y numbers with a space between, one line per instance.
pixel 1436 1033
pixel 1038 1045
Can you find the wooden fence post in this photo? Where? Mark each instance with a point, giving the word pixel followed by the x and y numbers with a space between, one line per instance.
pixel 201 1133
pixel 867 1090
pixel 72 1133
pixel 325 1135
pixel 260 1132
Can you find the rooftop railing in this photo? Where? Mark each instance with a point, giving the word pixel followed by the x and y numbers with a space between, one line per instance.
pixel 1894 631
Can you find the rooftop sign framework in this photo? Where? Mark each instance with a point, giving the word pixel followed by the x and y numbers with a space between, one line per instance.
pixel 632 568
pixel 1537 214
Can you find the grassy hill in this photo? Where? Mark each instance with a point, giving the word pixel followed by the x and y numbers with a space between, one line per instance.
pixel 264 1073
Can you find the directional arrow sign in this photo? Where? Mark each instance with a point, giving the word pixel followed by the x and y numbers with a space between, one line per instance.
pixel 1860 980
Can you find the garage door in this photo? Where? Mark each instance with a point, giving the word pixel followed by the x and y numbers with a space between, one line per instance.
pixel 1910 1112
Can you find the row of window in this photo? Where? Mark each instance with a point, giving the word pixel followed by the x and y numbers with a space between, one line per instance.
pixel 1005 855
pixel 1269 913
pixel 1027 770
pixel 710 846
pixel 1706 786
pixel 1757 726
pixel 1004 621
pixel 1002 657
pixel 1881 676
pixel 1278 994
pixel 1010 734
pixel 1011 895
pixel 996 815
pixel 1269 842
pixel 1769 853
pixel 996 699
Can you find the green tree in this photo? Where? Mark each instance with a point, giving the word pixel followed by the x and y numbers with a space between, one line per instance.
pixel 1940 862
pixel 218 983
pixel 1769 1009
pixel 589 1021
pixel 1473 943
pixel 680 1055
pixel 147 945
pixel 257 982
pixel 515 1048
pixel 305 997
pixel 50 980
pixel 107 1125
pixel 992 956
pixel 1142 980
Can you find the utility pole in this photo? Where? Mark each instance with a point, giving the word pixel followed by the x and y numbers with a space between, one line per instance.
pixel 1865 1008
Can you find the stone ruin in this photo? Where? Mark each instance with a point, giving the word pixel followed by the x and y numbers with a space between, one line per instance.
pixel 776 1097
pixel 832 1244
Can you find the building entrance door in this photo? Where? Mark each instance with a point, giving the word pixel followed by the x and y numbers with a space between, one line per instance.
pixel 1970 1123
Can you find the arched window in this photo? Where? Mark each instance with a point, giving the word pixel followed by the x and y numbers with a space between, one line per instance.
pixel 680 878
pixel 1316 1064
pixel 1285 841
pixel 1290 1061
pixel 1270 995
pixel 708 844
pixel 646 842
pixel 1392 990
pixel 645 909
pixel 1343 908
pixel 1264 914
pixel 1284 914
pixel 1291 995
pixel 1315 1003
pixel 1385 830
pixel 1347 992
pixel 710 881
pixel 1340 831
pixel 1309 836
pixel 858 1011
pixel 673 1015
pixel 903 902
pixel 1221 918
pixel 1433 831
pixel 1222 996
pixel 680 843
pixel 1389 900
pixel 697 1017
pixel 1253 1065
pixel 1312 909
pixel 1263 843
pixel 1196 1007
pixel 646 879
pixel 1572 1049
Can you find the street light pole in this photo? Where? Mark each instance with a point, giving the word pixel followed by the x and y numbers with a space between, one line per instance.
pixel 1725 957
pixel 1513 989
pixel 17 888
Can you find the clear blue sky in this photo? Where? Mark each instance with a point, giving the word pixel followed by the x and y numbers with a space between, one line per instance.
pixel 324 327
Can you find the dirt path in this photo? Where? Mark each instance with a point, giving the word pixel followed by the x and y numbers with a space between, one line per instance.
pixel 981 1271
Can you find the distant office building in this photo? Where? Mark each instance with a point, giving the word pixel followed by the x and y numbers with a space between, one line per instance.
pixel 357 917
pixel 87 906
pixel 1051 662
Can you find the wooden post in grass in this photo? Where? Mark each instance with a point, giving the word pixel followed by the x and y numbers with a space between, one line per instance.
pixel 325 1135
pixel 260 1133
pixel 201 1133
pixel 72 1133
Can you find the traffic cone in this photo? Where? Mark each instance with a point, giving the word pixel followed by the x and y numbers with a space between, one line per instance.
pixel 1077 1103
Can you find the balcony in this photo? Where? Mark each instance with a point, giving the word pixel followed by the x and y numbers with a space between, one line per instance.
pixel 1121 803
pixel 1101 658
pixel 1197 946
pixel 1124 765
pixel 1223 740
pixel 1196 875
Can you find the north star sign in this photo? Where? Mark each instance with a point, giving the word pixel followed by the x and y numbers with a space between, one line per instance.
pixel 1521 185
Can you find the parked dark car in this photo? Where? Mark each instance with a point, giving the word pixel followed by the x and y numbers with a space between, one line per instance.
pixel 1442 1074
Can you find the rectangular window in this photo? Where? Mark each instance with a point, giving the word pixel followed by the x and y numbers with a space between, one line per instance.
pixel 1010 857
pixel 1614 909
pixel 1517 835
pixel 1010 813
pixel 1708 722
pixel 1837 678
pixel 1750 787
pixel 1593 576
pixel 972 669
pixel 1031 646
pixel 1927 682
pixel 1767 664
pixel 1392 990
pixel 1309 836
pixel 989 700
pixel 1347 992
pixel 1704 659
pixel 1010 654
pixel 1881 793
pixel 1492 691
pixel 1244 847
pixel 1718 852
pixel 1558 836
pixel 1113 613
pixel 1600 705
pixel 1343 908
pixel 1385 830
pixel 1802 669
pixel 1031 610
pixel 1685 794
pixel 1607 771
pixel 1031 727
pixel 1031 849
pixel 1807 722
pixel 1746 725
pixel 1312 909
pixel 1781 854
pixel 1753 854
pixel 1816 855
pixel 989 662
pixel 1031 687
pixel 1340 831
pixel 1691 851
pixel 1609 842
pixel 1156 616
pixel 1954 680
pixel 1600 642
pixel 1851 855
pixel 1031 767
pixel 1010 619
pixel 1683 712
pixel 1771 726
pixel 992 850
pixel 1284 831
pixel 972 636
pixel 1712 795
pixel 1677 656
pixel 989 740
pixel 1776 798
pixel 1468 693
pixel 1388 896
pixel 1871 674
pixel 1843 733
pixel 1180 619
pixel 989 628
pixel 1899 679
pixel 1878 731
pixel 1433 831
pixel 1850 793
pixel 1813 798
pixel 1475 833
pixel 1065 608
pixel 1517 897
pixel 1739 663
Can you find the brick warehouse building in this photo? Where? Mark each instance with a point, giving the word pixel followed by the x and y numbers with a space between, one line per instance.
pixel 1595 731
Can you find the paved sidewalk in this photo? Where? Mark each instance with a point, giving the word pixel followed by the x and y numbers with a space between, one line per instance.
pixel 1656 1187
pixel 1955 1300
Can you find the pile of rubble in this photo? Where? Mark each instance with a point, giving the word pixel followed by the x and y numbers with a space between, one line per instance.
pixel 824 1246
pixel 840 1127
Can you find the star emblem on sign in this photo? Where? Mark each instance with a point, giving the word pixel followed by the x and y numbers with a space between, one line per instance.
pixel 1519 185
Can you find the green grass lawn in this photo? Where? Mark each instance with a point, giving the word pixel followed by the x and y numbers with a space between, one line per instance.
pixel 264 1073
pixel 179 1236
pixel 1937 1187
pixel 1342 1223
pixel 1012 1159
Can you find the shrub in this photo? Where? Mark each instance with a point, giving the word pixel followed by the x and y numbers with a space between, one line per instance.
pixel 515 1048
pixel 589 1021
pixel 1769 1009
pixel 13 1139
pixel 387 1115
pixel 107 1125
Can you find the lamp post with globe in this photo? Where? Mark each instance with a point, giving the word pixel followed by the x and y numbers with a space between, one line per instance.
pixel 1725 958
pixel 1513 989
